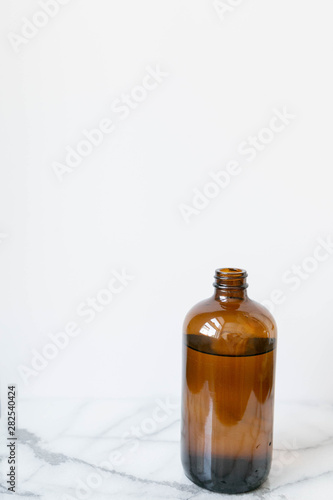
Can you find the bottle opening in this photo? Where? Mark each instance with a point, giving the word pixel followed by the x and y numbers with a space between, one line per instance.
pixel 230 278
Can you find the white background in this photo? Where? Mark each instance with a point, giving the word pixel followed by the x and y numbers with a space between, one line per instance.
pixel 119 209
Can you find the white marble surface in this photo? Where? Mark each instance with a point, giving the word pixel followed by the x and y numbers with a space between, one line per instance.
pixel 129 449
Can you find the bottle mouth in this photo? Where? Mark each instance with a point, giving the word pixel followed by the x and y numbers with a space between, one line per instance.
pixel 230 278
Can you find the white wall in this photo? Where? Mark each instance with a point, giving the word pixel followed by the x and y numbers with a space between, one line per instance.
pixel 120 207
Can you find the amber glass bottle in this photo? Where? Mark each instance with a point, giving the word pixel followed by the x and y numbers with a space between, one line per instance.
pixel 228 388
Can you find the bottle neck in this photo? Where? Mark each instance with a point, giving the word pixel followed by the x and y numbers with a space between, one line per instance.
pixel 230 283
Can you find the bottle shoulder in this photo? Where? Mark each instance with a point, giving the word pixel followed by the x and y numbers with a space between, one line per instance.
pixel 243 317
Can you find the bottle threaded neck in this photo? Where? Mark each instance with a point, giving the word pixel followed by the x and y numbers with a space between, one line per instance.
pixel 230 278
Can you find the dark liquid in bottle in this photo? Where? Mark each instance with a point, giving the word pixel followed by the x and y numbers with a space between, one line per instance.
pixel 227 412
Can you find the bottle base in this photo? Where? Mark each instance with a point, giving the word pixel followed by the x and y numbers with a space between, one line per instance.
pixel 226 475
